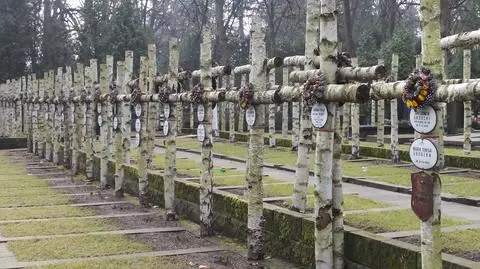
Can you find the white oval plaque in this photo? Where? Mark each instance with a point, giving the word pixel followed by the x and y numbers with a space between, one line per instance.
pixel 319 115
pixel 166 110
pixel 138 110
pixel 423 120
pixel 99 120
pixel 46 115
pixel 136 140
pixel 200 112
pixel 424 154
pixel 99 108
pixel 115 123
pixel 138 125
pixel 201 132
pixel 166 127
pixel 250 116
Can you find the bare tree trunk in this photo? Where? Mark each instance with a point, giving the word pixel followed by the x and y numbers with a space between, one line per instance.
pixel 92 79
pixel 49 114
pixel 102 122
pixel 67 116
pixel 355 115
pixel 381 118
pixel 144 163
pixel 170 144
pixel 206 179
pixel 347 107
pixel 231 111
pixel 394 115
pixel 418 64
pixel 118 129
pixel 373 112
pixel 285 105
pixel 255 166
pixel 241 111
pixel 467 106
pixel 57 121
pixel 430 230
pixel 295 121
pixel 325 141
pixel 337 199
pixel 271 114
pixel 79 121
pixel 302 172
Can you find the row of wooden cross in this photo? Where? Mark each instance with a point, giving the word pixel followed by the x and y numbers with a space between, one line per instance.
pixel 60 121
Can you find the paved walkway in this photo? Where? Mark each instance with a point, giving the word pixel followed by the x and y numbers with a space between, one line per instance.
pixel 450 209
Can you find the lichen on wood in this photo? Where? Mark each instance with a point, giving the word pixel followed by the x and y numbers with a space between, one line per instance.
pixel 143 162
pixel 467 106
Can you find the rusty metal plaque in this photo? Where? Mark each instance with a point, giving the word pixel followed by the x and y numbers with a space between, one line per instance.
pixel 422 195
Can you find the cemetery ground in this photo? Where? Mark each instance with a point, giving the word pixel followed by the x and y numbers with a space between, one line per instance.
pixel 385 212
pixel 49 219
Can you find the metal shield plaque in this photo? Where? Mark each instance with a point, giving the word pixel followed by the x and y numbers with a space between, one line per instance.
pixel 100 121
pixel 422 195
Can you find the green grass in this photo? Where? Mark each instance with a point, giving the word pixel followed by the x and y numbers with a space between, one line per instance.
pixel 75 247
pixel 7 184
pixel 27 192
pixel 461 241
pixel 392 221
pixel 44 212
pixel 62 226
pixel 33 200
pixel 350 202
pixel 131 263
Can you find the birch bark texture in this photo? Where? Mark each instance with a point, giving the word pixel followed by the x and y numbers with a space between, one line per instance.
pixel 258 78
pixel 67 115
pixel 325 141
pixel 337 195
pixel 302 172
pixel 170 144
pixel 102 122
pixel 206 178
pixel 355 116
pixel 271 113
pixel 144 163
pixel 467 106
pixel 285 104
pixel 381 118
pixel 295 120
pixel 119 151
pixel 431 246
pixel 57 121
pixel 394 115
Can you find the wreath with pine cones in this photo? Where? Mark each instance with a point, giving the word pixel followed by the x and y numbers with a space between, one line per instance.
pixel 420 88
